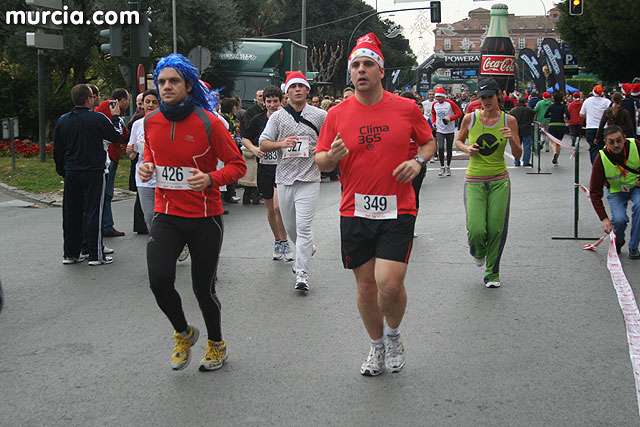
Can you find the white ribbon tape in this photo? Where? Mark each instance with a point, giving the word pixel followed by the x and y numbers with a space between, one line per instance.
pixel 629 308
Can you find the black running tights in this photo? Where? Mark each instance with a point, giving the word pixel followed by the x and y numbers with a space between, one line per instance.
pixel 167 237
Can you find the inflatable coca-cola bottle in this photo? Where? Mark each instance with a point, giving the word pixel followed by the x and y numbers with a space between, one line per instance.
pixel 498 61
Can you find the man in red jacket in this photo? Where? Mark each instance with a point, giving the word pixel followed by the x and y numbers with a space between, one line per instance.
pixel 121 98
pixel 183 142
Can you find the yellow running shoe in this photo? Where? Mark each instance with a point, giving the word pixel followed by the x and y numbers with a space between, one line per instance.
pixel 182 351
pixel 215 356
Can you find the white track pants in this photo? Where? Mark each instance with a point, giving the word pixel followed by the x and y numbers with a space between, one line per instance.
pixel 298 204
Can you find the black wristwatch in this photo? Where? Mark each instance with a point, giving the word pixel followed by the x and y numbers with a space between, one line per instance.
pixel 420 160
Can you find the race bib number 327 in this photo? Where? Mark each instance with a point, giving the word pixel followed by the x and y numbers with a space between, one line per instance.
pixel 376 206
pixel 301 149
pixel 173 177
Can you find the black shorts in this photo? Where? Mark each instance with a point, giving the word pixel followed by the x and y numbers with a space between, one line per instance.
pixel 363 239
pixel 266 180
pixel 575 130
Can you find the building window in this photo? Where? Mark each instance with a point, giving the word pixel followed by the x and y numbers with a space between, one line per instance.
pixel 540 41
pixel 521 43
pixel 447 44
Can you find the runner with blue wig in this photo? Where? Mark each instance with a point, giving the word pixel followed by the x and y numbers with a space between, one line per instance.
pixel 199 94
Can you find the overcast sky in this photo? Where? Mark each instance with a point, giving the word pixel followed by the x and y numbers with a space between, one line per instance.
pixel 418 29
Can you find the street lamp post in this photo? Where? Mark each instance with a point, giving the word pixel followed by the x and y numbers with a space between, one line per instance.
pixel 374 14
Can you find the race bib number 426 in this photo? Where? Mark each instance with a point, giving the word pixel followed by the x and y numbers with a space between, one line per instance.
pixel 173 177
pixel 375 206
pixel 301 149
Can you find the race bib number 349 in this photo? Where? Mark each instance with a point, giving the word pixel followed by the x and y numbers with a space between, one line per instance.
pixel 173 177
pixel 375 206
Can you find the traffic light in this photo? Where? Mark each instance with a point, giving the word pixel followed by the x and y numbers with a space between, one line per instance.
pixel 576 7
pixel 114 34
pixel 436 16
pixel 144 35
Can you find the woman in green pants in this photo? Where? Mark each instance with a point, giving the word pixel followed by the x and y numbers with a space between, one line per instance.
pixel 487 189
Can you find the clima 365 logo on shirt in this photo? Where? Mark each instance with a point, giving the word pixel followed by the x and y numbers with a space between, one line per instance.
pixel 370 134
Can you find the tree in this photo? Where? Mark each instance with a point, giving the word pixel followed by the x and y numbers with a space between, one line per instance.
pixel 325 60
pixel 605 37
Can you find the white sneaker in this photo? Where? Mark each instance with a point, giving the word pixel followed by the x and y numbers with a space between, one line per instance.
pixel 277 250
pixel 441 173
pixel 287 252
pixel 71 260
pixel 479 261
pixel 374 365
pixel 107 251
pixel 184 254
pixel 394 357
pixel 492 284
pixel 105 260
pixel 448 171
pixel 302 281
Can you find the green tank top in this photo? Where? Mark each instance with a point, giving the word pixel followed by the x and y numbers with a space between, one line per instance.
pixel 490 159
pixel 615 177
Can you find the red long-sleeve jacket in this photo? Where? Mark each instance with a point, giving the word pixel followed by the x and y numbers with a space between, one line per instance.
pixel 198 141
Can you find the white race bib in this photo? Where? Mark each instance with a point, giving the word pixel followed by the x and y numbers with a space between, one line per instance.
pixel 376 207
pixel 301 149
pixel 270 158
pixel 173 177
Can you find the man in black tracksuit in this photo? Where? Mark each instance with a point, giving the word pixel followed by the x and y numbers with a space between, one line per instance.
pixel 80 158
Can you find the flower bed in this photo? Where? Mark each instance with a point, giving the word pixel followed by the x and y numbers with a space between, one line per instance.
pixel 24 149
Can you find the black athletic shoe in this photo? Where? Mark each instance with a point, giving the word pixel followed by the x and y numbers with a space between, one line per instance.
pixel 634 254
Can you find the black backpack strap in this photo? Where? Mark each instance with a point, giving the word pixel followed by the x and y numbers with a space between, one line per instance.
pixel 299 119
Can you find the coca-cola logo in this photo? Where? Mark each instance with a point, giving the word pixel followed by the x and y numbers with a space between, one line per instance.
pixel 498 64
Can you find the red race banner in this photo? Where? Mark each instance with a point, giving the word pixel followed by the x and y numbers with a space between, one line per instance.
pixel 498 64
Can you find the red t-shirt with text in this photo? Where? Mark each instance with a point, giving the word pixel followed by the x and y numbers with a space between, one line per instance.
pixel 378 138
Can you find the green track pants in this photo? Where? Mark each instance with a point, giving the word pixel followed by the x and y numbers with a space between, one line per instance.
pixel 487 208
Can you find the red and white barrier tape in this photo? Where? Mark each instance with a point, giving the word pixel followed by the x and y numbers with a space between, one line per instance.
pixel 629 308
pixel 584 189
pixel 594 245
pixel 562 144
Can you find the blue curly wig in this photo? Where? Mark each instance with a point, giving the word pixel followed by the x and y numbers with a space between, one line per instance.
pixel 189 73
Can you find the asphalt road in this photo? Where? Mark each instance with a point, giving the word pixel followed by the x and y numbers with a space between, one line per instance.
pixel 87 346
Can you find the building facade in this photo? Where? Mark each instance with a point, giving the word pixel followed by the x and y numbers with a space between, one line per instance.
pixel 466 36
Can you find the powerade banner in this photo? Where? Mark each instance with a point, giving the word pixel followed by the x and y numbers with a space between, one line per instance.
pixel 552 52
pixel 535 68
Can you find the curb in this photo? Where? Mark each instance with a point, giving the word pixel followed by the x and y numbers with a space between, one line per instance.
pixel 56 202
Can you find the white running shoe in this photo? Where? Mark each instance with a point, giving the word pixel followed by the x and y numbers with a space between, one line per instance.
pixel 394 357
pixel 492 284
pixel 105 260
pixel 374 365
pixel 441 173
pixel 302 281
pixel 277 250
pixel 107 251
pixel 479 261
pixel 184 254
pixel 448 171
pixel 287 252
pixel 71 260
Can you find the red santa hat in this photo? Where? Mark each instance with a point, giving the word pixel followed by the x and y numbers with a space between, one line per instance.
pixel 546 95
pixel 441 92
pixel 368 46
pixel 576 95
pixel 597 90
pixel 626 88
pixel 207 85
pixel 294 77
pixel 635 90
